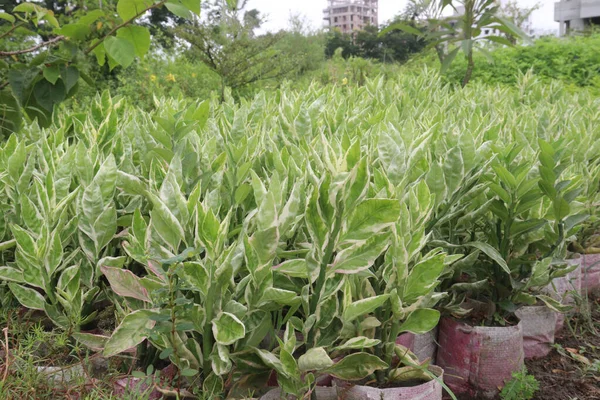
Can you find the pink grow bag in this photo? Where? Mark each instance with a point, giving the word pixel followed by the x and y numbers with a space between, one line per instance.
pixel 477 360
pixel 590 273
pixel 431 390
pixel 539 324
pixel 424 345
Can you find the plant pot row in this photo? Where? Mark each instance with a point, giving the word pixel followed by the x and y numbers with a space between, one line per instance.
pixel 478 360
pixel 431 390
pixel 475 361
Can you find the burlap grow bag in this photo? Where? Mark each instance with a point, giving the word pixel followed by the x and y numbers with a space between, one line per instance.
pixel 539 324
pixel 478 361
pixel 590 272
pixel 424 345
pixel 431 390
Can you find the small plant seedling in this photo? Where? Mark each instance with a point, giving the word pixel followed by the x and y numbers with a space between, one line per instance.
pixel 522 386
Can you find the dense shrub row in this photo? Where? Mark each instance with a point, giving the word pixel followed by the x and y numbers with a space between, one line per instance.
pixel 299 232
pixel 575 61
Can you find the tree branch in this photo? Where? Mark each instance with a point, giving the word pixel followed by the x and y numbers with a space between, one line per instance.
pixel 8 32
pixel 130 20
pixel 50 42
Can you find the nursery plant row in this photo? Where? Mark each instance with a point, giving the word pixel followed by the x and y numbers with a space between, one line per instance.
pixel 306 243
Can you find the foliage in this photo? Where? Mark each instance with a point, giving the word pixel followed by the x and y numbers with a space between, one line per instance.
pixel 571 60
pixel 154 77
pixel 518 15
pixel 226 43
pixel 462 31
pixel 299 231
pixel 521 386
pixel 530 212
pixel 37 77
pixel 304 46
pixel 393 46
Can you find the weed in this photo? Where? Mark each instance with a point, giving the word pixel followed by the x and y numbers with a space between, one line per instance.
pixel 522 386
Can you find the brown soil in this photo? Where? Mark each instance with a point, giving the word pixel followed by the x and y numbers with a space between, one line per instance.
pixel 564 374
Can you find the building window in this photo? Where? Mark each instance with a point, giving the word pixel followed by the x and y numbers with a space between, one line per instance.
pixel 351 26
pixel 335 19
pixel 352 18
pixel 486 31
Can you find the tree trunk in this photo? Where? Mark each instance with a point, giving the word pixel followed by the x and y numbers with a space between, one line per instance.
pixel 439 49
pixel 222 90
pixel 470 66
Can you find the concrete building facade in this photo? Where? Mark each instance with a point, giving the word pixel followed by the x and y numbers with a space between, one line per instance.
pixel 351 15
pixel 576 15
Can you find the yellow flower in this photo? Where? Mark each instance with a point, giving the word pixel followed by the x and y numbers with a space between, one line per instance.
pixel 194 75
pixel 345 81
pixel 170 78
pixel 153 78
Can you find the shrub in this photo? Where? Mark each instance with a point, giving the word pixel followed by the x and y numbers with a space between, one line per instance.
pixel 574 60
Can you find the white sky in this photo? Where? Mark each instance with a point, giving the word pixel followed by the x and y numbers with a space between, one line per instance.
pixel 278 11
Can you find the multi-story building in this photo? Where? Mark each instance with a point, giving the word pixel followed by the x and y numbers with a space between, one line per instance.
pixel 351 15
pixel 576 14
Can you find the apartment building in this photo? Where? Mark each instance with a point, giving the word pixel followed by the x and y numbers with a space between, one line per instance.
pixel 351 15
pixel 576 15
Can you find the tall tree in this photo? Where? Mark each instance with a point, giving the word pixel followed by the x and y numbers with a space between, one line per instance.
pixel 462 31
pixel 518 15
pixel 43 53
pixel 226 41
pixel 336 39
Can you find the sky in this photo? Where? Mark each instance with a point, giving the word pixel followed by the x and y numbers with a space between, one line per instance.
pixel 278 11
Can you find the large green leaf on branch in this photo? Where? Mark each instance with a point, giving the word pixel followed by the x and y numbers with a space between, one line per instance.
pixel 128 9
pixel 227 329
pixel 139 36
pixel 421 321
pixel 121 50
pixel 27 297
pixel 356 366
pixel 132 331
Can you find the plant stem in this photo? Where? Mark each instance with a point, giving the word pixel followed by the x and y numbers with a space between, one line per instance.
pixel 11 30
pixel 316 298
pixel 470 67
pixel 559 240
pixel 327 258
pixel 207 340
pixel 32 49
pixel 504 245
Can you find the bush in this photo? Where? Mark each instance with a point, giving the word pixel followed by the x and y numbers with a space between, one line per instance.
pixel 574 61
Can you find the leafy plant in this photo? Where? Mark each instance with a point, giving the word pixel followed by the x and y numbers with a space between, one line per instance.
pixel 297 233
pixel 521 386
pixel 523 232
pixel 463 30
pixel 45 74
